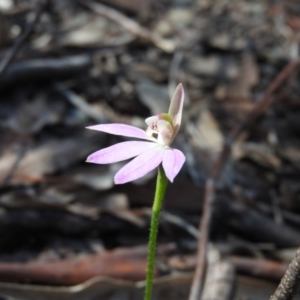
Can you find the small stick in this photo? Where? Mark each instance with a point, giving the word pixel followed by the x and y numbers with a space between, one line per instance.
pixel 290 282
pixel 209 192
pixel 130 25
pixel 258 267
pixel 17 46
pixel 221 277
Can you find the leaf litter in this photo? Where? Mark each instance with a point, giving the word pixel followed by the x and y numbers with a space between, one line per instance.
pixel 81 66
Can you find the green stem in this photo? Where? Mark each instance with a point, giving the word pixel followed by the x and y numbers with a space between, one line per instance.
pixel 161 185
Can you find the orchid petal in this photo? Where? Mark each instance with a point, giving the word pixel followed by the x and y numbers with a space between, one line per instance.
pixel 176 106
pixel 120 151
pixel 140 166
pixel 172 162
pixel 122 129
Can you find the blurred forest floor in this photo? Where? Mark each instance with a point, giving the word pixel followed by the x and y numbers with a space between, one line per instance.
pixel 66 231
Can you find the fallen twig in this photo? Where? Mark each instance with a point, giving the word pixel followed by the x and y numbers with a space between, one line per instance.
pixel 290 282
pixel 249 221
pixel 123 263
pixel 254 267
pixel 220 282
pixel 258 267
pixel 209 193
pixel 130 25
pixel 80 103
pixel 46 69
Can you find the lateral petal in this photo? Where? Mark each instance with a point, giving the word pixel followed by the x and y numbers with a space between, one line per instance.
pixel 120 151
pixel 173 161
pixel 122 129
pixel 140 166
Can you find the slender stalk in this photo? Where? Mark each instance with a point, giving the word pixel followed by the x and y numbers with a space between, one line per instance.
pixel 161 185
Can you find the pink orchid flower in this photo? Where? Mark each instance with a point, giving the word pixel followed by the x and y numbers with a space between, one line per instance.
pixel 149 154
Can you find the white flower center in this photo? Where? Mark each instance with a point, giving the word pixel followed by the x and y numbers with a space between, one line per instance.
pixel 160 129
